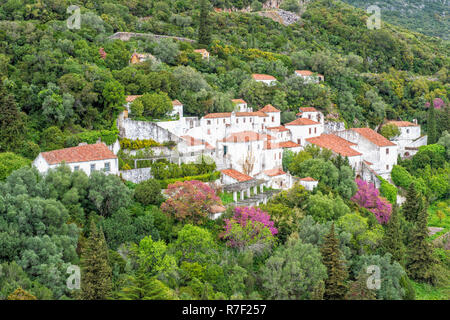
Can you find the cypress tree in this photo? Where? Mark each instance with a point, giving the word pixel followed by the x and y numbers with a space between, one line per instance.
pixel 335 284
pixel 96 283
pixel 358 289
pixel 12 123
pixel 420 254
pixel 392 239
pixel 431 126
pixel 204 31
pixel 412 205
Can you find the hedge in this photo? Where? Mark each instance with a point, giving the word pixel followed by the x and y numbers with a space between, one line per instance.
pixel 389 191
pixel 203 177
pixel 138 144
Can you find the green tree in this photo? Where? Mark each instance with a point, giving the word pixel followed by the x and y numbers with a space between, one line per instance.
pixel 204 31
pixel 155 105
pixel 10 162
pixel 335 285
pixel 12 123
pixel 390 131
pixel 393 240
pixel 96 272
pixel 144 287
pixel 20 294
pixel 412 205
pixel 149 192
pixel 358 289
pixel 431 126
pixel 420 260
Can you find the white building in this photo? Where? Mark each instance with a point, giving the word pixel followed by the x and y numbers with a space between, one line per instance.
pixel 264 78
pixel 309 183
pixel 203 52
pixel 311 113
pixel 87 158
pixel 303 128
pixel 410 138
pixel 241 106
pixel 309 77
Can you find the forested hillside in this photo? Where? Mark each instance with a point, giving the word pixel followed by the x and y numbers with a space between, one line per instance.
pixel 428 17
pixel 61 86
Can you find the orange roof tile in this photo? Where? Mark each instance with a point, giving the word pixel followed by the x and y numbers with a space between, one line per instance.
pixel 278 129
pixel 238 101
pixel 176 103
pixel 274 172
pixel 307 179
pixel 304 72
pixel 269 108
pixel 217 115
pixel 302 122
pixel 373 137
pixel 84 153
pixel 247 136
pixel 201 51
pixel 308 109
pixel 335 144
pixel 191 141
pixel 251 114
pixel 217 209
pixel 257 76
pixel 403 123
pixel 132 98
pixel 239 176
pixel 269 145
pixel 288 144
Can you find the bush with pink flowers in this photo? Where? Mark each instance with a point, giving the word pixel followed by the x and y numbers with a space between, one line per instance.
pixel 368 197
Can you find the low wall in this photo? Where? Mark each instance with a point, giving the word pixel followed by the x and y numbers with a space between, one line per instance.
pixel 145 130
pixel 331 126
pixel 136 175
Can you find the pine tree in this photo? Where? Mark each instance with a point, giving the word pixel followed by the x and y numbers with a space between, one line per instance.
pixel 12 123
pixel 392 239
pixel 420 254
pixel 96 283
pixel 142 286
pixel 204 31
pixel 431 126
pixel 335 284
pixel 412 205
pixel 358 289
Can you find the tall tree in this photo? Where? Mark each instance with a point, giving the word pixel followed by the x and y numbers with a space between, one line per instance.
pixel 358 289
pixel 420 254
pixel 12 123
pixel 392 239
pixel 96 273
pixel 335 284
pixel 431 126
pixel 412 205
pixel 204 31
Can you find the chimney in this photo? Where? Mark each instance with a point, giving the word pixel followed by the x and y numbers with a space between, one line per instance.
pixel 415 121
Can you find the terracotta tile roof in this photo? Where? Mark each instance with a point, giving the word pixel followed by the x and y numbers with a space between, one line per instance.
pixel 217 115
pixel 274 172
pixel 269 145
pixel 176 103
pixel 245 136
pixel 217 209
pixel 278 129
pixel 403 123
pixel 308 109
pixel 373 137
pixel 238 114
pixel 304 72
pixel 307 179
pixel 132 98
pixel 201 51
pixel 238 101
pixel 269 108
pixel 302 122
pixel 288 144
pixel 84 153
pixel 368 163
pixel 257 76
pixel 251 114
pixel 335 144
pixel 191 141
pixel 236 175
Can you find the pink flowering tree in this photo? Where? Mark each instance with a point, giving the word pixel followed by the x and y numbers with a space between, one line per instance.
pixel 368 197
pixel 249 226
pixel 190 201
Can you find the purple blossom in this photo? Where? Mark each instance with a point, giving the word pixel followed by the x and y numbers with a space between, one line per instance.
pixel 368 197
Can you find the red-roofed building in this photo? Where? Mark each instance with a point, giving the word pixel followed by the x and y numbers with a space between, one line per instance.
pixel 230 176
pixel 264 78
pixel 309 76
pixel 311 113
pixel 203 52
pixel 241 105
pixel 309 183
pixel 410 138
pixel 304 128
pixel 87 158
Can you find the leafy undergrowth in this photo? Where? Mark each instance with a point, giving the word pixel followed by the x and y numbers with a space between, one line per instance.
pixel 435 221
pixel 428 292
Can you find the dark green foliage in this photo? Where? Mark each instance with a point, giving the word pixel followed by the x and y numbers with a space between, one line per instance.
pixel 204 32
pixel 431 126
pixel 393 239
pixel 358 289
pixel 10 162
pixel 413 204
pixel 149 192
pixel 95 272
pixel 12 123
pixel 336 284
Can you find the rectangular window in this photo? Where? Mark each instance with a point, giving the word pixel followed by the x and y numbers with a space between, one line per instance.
pixel 92 167
pixel 209 131
pixel 387 150
pixel 244 120
pixel 76 168
pixel 273 119
pixel 315 130
pixel 387 167
pixel 107 167
pixel 208 122
pixel 225 150
pixel 237 120
pixel 310 130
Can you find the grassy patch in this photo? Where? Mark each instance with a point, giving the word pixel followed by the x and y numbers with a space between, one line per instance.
pixel 226 197
pixel 428 292
pixel 435 221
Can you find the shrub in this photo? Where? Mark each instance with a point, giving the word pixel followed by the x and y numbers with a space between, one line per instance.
pixel 149 192
pixel 368 197
pixel 10 162
pixel 401 177
pixel 388 190
pixel 138 144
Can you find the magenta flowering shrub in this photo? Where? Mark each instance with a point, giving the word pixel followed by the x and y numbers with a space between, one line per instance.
pixel 190 201
pixel 249 226
pixel 438 103
pixel 368 197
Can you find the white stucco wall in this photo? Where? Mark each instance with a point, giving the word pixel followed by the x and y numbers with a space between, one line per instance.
pixel 301 133
pixel 42 166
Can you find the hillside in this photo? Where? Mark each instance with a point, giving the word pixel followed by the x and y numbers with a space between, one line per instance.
pixel 428 17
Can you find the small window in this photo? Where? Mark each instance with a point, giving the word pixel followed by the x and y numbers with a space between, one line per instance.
pixel 309 116
pixel 223 120
pixel 315 130
pixel 387 150
pixel 92 167
pixel 273 119
pixel 244 120
pixel 208 122
pixel 107 167
pixel 387 167
pixel 310 130
pixel 76 168
pixel 237 120
pixel 407 130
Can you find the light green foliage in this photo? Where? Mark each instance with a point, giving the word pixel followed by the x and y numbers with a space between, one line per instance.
pixel 10 162
pixel 388 191
pixel 152 106
pixel 326 207
pixel 390 131
pixel 194 244
pixel 153 257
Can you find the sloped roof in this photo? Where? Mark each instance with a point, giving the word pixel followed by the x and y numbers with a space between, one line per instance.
pixel 269 108
pixel 257 76
pixel 403 123
pixel 84 153
pixel 239 176
pixel 238 114
pixel 201 51
pixel 302 122
pixel 238 101
pixel 335 144
pixel 308 109
pixel 306 73
pixel 373 137
pixel 176 103
pixel 132 98
pixel 278 129
pixel 307 179
pixel 288 144
pixel 274 172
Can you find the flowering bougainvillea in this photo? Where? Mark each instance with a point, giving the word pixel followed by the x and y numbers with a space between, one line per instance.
pixel 190 201
pixel 368 197
pixel 249 226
